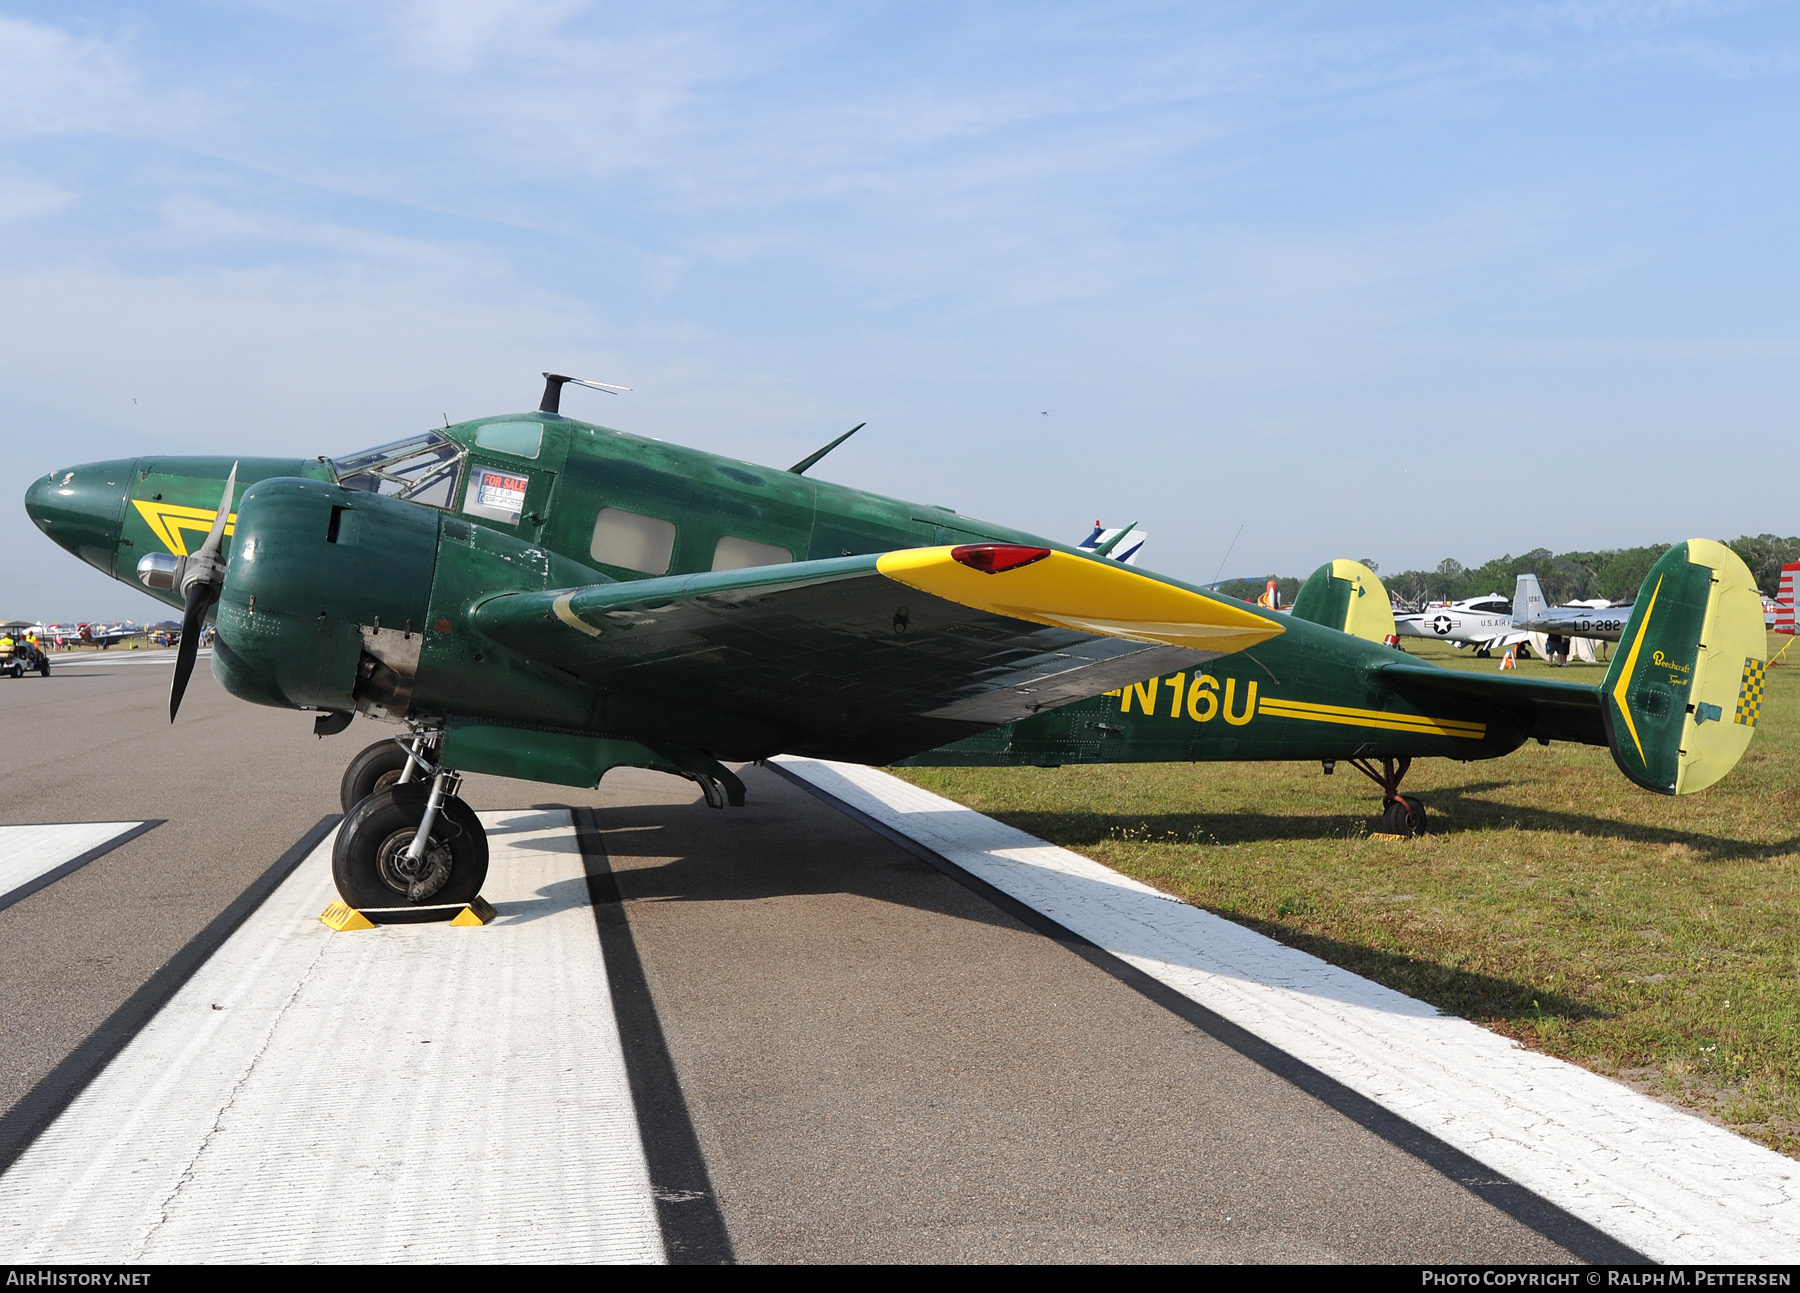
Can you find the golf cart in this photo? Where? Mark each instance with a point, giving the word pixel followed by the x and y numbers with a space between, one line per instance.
pixel 18 653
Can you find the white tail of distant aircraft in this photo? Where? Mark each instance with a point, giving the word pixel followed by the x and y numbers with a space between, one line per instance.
pixel 1124 551
pixel 1532 613
pixel 1786 599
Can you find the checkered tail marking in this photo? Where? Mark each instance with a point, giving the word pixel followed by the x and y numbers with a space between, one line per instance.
pixel 1750 693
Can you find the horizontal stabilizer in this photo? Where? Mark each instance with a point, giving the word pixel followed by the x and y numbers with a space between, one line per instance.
pixel 1546 709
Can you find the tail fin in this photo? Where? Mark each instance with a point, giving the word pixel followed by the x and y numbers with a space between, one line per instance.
pixel 1346 596
pixel 1124 550
pixel 1683 695
pixel 1528 602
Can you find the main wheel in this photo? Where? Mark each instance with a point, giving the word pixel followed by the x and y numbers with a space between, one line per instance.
pixel 376 768
pixel 1405 816
pixel 370 864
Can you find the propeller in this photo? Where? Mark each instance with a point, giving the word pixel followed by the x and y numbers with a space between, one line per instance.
pixel 200 576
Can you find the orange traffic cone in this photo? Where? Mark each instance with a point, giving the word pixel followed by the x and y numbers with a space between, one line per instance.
pixel 1509 660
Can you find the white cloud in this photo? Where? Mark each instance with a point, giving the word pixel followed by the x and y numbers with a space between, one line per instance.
pixel 24 198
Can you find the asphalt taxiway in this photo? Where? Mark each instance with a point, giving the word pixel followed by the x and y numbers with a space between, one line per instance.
pixel 834 1049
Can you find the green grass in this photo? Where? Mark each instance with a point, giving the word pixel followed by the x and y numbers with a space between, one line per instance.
pixel 1650 938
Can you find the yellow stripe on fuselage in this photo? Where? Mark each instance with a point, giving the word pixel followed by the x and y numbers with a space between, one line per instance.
pixel 1386 720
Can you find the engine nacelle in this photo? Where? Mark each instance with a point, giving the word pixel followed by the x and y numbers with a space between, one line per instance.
pixel 325 597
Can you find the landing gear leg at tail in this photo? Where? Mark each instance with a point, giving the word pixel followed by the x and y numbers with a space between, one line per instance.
pixel 1400 814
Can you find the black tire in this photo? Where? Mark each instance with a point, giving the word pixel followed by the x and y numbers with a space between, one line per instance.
pixel 1405 816
pixel 44 668
pixel 372 844
pixel 376 768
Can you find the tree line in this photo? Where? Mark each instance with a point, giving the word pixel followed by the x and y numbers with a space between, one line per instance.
pixel 1614 573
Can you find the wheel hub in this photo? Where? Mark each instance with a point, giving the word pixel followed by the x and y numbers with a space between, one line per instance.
pixel 419 880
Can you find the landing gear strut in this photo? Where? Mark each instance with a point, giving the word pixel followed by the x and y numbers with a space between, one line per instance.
pixel 386 763
pixel 411 849
pixel 1400 814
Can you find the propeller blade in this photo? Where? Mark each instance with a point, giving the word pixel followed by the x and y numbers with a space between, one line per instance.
pixel 216 535
pixel 193 615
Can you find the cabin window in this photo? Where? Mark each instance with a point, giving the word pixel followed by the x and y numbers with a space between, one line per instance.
pixel 520 439
pixel 421 469
pixel 496 493
pixel 733 553
pixel 633 541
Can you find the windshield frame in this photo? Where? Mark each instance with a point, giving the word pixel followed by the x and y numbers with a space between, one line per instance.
pixel 439 462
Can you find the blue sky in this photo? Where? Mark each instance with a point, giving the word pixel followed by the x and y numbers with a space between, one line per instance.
pixel 1371 280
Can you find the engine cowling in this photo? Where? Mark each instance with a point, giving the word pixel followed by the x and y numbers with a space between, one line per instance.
pixel 325 597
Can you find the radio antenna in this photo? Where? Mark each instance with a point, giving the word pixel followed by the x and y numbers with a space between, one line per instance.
pixel 799 468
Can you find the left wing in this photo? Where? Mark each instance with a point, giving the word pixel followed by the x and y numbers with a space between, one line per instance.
pixel 874 658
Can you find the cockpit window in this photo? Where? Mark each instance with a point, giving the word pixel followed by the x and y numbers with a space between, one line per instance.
pixel 521 439
pixel 420 469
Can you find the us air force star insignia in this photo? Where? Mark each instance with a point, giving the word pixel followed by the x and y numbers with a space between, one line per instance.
pixel 1749 705
pixel 167 521
pixel 1441 625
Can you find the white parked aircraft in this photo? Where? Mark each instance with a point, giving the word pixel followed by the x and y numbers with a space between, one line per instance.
pixel 1481 622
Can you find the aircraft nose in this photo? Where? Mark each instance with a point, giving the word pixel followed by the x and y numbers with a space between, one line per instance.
pixel 82 508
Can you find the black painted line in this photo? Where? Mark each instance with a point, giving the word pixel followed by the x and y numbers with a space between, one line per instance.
pixel 57 1089
pixel 687 1209
pixel 1587 1242
pixel 51 876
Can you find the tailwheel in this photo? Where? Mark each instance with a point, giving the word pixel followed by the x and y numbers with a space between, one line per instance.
pixel 1400 814
pixel 381 864
pixel 1403 816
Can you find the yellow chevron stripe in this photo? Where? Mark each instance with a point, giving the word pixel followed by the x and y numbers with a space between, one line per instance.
pixel 167 521
pixel 1382 719
pixel 1630 664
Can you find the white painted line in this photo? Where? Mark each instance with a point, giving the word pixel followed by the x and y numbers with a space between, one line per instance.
pixel 1673 1187
pixel 85 658
pixel 32 856
pixel 412 1093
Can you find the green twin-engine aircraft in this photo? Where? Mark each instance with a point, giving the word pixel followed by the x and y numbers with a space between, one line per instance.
pixel 538 597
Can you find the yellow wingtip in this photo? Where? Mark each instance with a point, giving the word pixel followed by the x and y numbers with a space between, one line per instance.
pixel 1088 596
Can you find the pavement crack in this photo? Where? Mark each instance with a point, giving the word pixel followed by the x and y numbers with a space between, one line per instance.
pixel 237 1085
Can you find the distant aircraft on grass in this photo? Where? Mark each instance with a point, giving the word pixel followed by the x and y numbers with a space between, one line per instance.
pixel 1484 623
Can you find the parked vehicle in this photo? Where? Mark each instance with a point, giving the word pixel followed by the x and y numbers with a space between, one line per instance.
pixel 18 652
